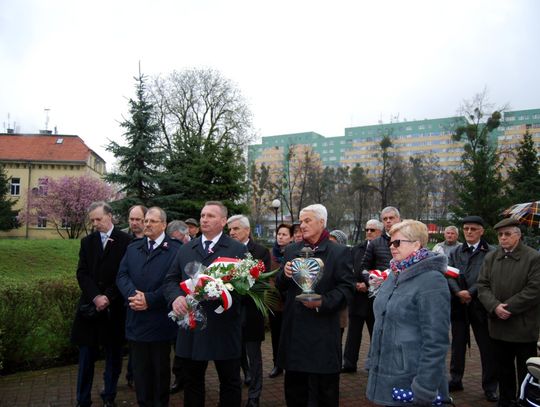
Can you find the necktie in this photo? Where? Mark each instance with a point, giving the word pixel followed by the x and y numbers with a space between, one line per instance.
pixel 151 244
pixel 207 244
pixel 104 239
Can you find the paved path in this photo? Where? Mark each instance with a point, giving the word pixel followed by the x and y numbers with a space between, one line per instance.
pixel 56 387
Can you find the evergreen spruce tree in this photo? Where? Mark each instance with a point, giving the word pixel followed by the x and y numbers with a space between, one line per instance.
pixel 7 214
pixel 139 159
pixel 199 172
pixel 480 185
pixel 524 176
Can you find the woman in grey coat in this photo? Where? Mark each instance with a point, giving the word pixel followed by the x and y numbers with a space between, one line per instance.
pixel 412 320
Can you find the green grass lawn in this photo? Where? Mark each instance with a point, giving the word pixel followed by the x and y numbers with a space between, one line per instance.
pixel 30 260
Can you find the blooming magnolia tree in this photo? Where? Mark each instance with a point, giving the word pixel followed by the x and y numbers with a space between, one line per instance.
pixel 64 202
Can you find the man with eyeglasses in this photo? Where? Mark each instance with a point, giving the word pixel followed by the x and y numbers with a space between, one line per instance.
pixel 378 254
pixel 509 288
pixel 360 307
pixel 467 310
pixel 149 330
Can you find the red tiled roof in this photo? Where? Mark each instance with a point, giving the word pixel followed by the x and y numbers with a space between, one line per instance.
pixel 14 147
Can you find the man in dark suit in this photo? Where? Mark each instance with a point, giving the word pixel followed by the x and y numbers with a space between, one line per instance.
pixel 361 307
pixel 148 327
pixel 100 316
pixel 253 329
pixel 310 345
pixel 221 340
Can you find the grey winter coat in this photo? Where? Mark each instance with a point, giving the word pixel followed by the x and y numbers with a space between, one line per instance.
pixel 410 336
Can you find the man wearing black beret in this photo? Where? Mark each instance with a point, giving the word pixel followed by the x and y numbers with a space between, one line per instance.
pixel 509 289
pixel 467 310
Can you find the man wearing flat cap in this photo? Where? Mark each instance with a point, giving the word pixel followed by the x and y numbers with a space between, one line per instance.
pixel 193 227
pixel 467 310
pixel 509 289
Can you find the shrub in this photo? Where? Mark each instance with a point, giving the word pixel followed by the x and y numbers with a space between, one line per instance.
pixel 35 321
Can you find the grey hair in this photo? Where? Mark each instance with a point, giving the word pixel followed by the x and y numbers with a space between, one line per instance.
pixel 244 221
pixel 319 211
pixel 391 209
pixel 162 213
pixel 177 226
pixel 377 224
pixel 340 236
pixel 517 230
pixel 100 204
pixel 453 228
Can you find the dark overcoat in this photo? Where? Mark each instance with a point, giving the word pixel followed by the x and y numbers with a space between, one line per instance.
pixel 378 255
pixel 222 337
pixel 311 340
pixel 96 275
pixel 144 271
pixel 360 303
pixel 253 320
pixel 469 265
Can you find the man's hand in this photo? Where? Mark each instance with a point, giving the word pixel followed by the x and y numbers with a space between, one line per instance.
pixel 464 296
pixel 180 306
pixel 501 311
pixel 138 301
pixel 101 302
pixel 361 287
pixel 288 270
pixel 312 304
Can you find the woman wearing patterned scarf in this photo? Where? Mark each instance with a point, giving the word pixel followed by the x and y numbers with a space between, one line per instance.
pixel 412 320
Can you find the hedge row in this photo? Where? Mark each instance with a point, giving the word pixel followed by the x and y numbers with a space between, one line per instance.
pixel 35 324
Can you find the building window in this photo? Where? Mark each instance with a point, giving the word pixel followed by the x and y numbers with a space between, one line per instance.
pixel 43 186
pixel 42 222
pixel 15 186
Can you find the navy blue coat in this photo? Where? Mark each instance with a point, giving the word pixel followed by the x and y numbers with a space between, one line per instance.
pixel 146 272
pixel 222 337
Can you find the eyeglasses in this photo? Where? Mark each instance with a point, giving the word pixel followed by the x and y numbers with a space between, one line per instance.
pixel 507 234
pixel 396 243
pixel 371 230
pixel 470 229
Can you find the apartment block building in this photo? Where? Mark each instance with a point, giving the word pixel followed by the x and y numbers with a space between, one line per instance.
pixel 360 145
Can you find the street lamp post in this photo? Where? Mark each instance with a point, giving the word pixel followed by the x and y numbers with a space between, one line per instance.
pixel 276 203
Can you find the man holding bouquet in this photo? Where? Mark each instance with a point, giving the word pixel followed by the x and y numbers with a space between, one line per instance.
pixel 221 340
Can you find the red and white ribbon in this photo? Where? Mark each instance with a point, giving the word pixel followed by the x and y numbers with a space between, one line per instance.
pixel 452 272
pixel 189 286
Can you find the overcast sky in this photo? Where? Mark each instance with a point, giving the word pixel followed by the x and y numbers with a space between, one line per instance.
pixel 302 65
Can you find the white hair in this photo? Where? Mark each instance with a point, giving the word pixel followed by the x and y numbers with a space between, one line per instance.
pixel 244 221
pixel 377 224
pixel 318 210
